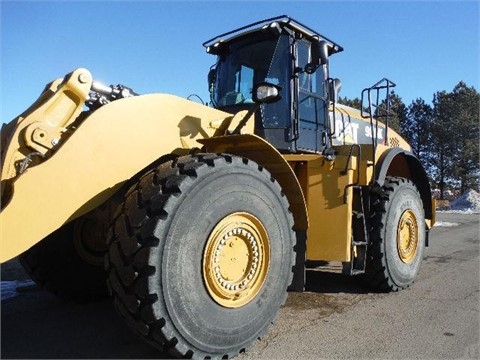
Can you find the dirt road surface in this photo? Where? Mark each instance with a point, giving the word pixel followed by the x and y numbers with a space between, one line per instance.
pixel 336 318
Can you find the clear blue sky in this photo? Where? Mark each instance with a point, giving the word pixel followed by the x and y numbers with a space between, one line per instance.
pixel 155 46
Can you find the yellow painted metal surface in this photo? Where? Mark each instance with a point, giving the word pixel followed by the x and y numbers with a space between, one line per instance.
pixel 44 126
pixel 347 113
pixel 114 143
pixel 260 151
pixel 329 233
pixel 431 222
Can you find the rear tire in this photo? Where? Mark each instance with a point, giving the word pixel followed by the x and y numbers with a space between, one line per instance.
pixel 181 266
pixel 397 236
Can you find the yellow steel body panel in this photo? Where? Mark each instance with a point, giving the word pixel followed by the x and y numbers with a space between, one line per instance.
pixel 346 114
pixel 324 184
pixel 43 126
pixel 431 222
pixel 257 149
pixel 109 147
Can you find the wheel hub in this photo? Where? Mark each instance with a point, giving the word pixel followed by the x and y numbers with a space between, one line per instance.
pixel 236 260
pixel 407 236
pixel 89 240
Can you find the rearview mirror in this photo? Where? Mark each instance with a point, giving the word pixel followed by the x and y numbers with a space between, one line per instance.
pixel 322 48
pixel 265 93
pixel 319 56
pixel 334 86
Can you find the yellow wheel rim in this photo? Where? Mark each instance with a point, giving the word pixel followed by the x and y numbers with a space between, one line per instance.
pixel 407 236
pixel 236 260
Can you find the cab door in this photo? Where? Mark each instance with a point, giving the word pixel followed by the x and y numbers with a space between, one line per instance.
pixel 311 102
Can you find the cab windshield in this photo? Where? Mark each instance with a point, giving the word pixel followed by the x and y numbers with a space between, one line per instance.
pixel 250 61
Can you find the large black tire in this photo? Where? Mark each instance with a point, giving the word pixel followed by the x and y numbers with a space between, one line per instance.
pixel 397 236
pixel 66 266
pixel 161 262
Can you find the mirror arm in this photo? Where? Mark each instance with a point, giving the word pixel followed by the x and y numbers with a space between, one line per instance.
pixel 248 115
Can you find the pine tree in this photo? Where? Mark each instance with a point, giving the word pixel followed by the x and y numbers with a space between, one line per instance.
pixel 416 128
pixel 442 144
pixel 354 103
pixel 466 152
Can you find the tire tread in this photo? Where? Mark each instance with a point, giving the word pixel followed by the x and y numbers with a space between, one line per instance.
pixel 377 275
pixel 151 200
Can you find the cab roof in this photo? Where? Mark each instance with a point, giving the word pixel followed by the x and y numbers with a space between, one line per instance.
pixel 284 21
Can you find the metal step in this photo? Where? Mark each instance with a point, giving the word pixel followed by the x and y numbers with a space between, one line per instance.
pixel 360 239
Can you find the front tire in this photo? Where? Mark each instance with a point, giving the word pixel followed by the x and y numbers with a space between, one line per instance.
pixel 397 236
pixel 202 255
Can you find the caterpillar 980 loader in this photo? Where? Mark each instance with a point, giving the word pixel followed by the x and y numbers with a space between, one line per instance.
pixel 198 218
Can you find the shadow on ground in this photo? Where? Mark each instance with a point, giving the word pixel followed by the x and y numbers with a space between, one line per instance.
pixel 38 325
pixel 332 283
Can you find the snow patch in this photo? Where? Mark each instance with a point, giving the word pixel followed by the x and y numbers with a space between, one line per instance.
pixel 8 289
pixel 468 203
pixel 445 224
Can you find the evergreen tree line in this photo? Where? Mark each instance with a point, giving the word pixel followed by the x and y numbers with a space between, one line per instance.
pixel 443 135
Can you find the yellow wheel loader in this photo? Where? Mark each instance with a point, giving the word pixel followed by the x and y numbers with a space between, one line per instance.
pixel 197 219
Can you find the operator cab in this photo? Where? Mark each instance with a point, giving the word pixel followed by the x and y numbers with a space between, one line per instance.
pixel 282 52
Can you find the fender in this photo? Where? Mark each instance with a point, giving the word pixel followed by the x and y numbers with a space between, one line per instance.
pixel 110 146
pixel 257 149
pixel 399 162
